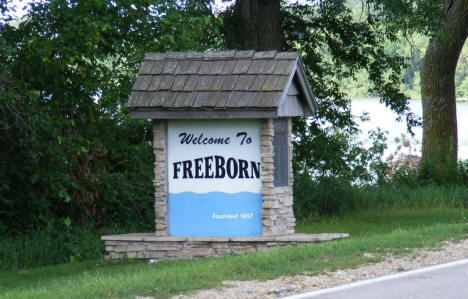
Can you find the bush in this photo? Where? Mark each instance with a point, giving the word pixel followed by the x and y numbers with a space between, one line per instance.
pixel 463 172
pixel 334 196
pixel 425 175
pixel 50 245
pixel 54 244
pixel 324 196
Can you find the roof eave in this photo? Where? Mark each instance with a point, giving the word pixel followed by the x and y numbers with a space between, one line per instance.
pixel 309 96
pixel 154 113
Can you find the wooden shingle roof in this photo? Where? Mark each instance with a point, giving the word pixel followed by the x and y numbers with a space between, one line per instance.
pixel 231 84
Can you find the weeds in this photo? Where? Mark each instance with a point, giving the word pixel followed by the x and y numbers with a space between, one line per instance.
pixel 405 159
pixel 335 197
pixel 53 244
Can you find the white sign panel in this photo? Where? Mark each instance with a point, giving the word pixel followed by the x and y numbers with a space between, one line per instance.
pixel 214 177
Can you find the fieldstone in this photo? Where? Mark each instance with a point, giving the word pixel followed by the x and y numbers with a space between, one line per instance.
pixel 201 251
pixel 162 247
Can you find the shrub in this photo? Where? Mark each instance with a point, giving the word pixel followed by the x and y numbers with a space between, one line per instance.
pixel 463 172
pixel 54 244
pixel 323 196
pixel 50 245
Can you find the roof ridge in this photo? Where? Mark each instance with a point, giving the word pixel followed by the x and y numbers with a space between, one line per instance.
pixel 222 55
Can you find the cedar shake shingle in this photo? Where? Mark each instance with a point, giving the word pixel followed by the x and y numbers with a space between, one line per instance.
pixel 218 81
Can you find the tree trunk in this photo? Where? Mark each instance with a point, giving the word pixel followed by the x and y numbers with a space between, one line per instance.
pixel 438 67
pixel 263 24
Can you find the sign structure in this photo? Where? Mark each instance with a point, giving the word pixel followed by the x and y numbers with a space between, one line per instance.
pixel 214 177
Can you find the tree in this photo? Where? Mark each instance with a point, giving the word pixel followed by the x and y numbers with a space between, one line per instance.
pixel 66 72
pixel 333 45
pixel 446 22
pixel 440 139
pixel 260 21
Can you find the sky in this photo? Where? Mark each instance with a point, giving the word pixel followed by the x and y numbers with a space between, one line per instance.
pixel 19 4
pixel 218 6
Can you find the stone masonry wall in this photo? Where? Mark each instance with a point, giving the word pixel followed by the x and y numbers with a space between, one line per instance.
pixel 277 213
pixel 160 182
pixel 146 245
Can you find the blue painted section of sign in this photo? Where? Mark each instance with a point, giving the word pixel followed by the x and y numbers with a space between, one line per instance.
pixel 215 214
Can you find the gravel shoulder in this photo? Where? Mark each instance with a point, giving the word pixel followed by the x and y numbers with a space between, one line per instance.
pixel 291 285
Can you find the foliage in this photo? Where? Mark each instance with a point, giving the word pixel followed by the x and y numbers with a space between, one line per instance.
pixel 463 172
pixel 445 23
pixel 335 45
pixel 423 16
pixel 405 168
pixel 404 160
pixel 412 48
pixel 322 196
pixel 421 175
pixel 412 38
pixel 404 184
pixel 53 244
pixel 402 197
pixel 67 70
pixel 332 196
pixel 66 74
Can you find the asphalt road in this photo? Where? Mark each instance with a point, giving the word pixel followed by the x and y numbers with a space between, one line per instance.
pixel 444 281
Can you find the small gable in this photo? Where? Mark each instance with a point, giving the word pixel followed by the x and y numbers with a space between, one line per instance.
pixel 294 103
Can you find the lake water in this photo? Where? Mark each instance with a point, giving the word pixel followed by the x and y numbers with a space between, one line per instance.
pixel 384 118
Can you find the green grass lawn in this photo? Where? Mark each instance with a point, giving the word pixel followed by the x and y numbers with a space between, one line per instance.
pixel 374 232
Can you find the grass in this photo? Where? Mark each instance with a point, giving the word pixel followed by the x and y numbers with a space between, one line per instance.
pixel 333 196
pixel 54 245
pixel 411 197
pixel 361 224
pixel 48 246
pixel 376 232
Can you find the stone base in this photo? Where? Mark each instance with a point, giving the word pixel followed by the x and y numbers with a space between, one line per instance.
pixel 148 246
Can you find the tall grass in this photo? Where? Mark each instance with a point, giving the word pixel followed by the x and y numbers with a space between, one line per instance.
pixel 49 245
pixel 54 244
pixel 374 222
pixel 405 197
pixel 332 196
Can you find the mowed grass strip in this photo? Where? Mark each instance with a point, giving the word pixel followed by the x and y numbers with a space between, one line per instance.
pixel 374 232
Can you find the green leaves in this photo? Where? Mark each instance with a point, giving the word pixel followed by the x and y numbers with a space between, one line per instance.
pixel 335 45
pixel 65 77
pixel 67 71
pixel 67 222
pixel 422 16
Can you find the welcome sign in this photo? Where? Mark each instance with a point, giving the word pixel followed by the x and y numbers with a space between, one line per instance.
pixel 214 177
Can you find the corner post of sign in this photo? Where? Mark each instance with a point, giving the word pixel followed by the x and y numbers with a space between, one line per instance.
pixel 160 182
